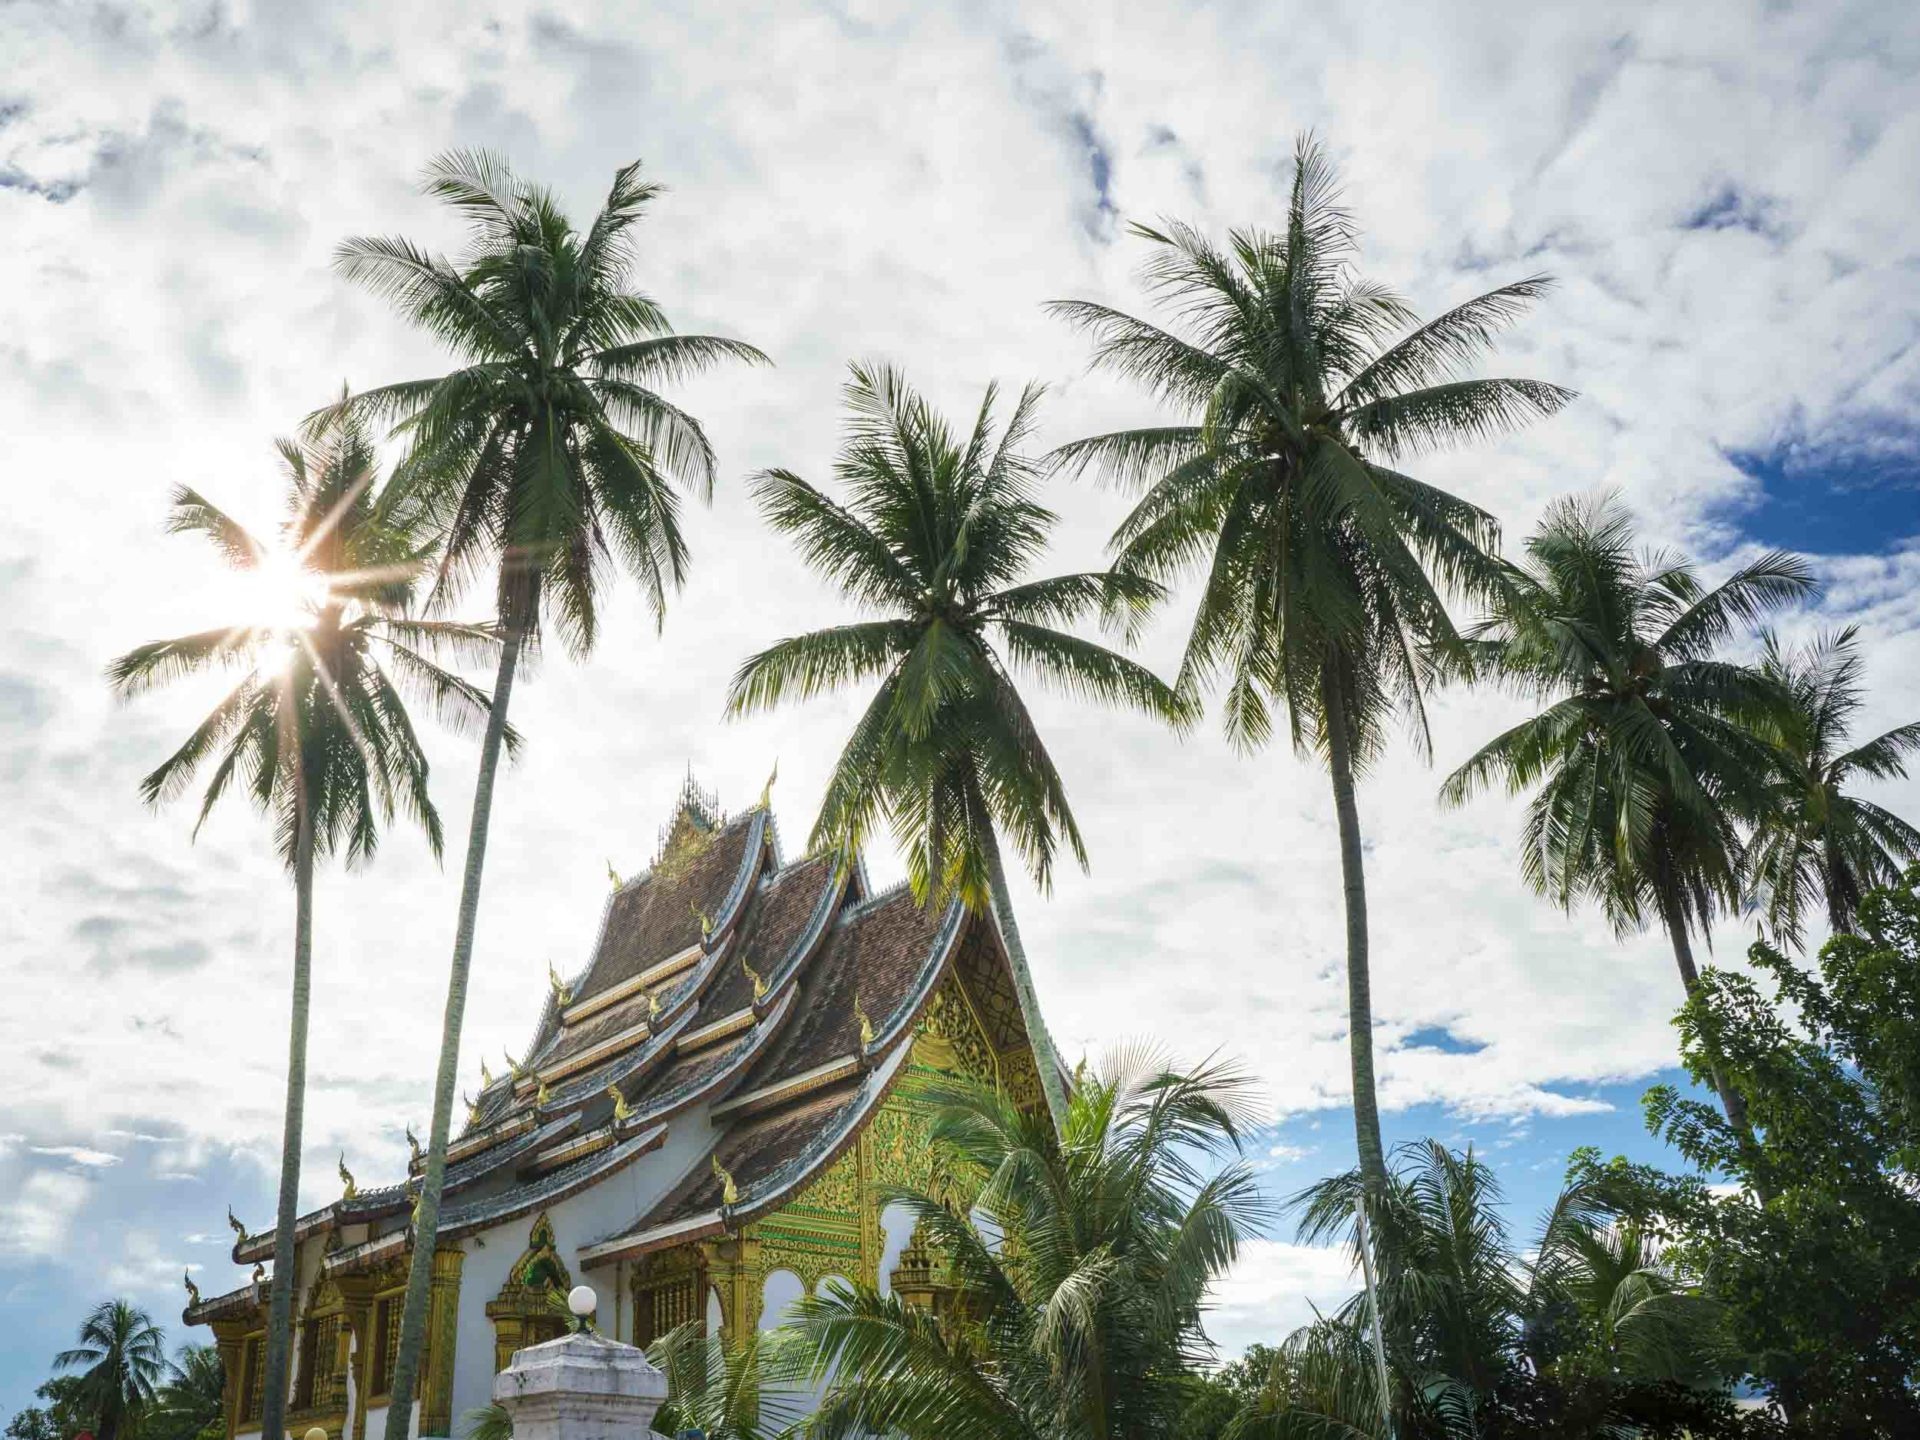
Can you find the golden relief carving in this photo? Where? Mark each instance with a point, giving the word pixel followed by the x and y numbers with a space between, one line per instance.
pixel 523 1312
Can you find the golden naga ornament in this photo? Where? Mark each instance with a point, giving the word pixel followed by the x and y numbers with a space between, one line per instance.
pixel 413 1144
pixel 866 1025
pixel 260 1272
pixel 542 1095
pixel 473 1109
pixel 193 1290
pixel 622 1112
pixel 759 984
pixel 613 876
pixel 516 1069
pixel 729 1192
pixel 562 996
pixel 766 790
pixel 350 1189
pixel 706 921
pixel 237 1228
pixel 653 1008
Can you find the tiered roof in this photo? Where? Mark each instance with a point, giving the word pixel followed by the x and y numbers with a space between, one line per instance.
pixel 781 995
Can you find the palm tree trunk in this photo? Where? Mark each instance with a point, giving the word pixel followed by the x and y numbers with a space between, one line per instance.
pixel 280 1297
pixel 413 1321
pixel 1046 1061
pixel 1731 1101
pixel 1366 1109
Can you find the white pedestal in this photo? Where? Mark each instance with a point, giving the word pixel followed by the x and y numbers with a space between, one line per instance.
pixel 581 1387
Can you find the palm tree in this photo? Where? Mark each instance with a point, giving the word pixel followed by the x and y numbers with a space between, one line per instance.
pixel 316 730
pixel 1648 755
pixel 935 537
pixel 545 456
pixel 1587 1326
pixel 1324 567
pixel 1079 1260
pixel 725 1392
pixel 189 1403
pixel 125 1357
pixel 1815 841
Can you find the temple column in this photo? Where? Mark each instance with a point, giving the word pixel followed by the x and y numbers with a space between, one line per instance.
pixel 443 1319
pixel 230 1340
pixel 733 1268
pixel 358 1295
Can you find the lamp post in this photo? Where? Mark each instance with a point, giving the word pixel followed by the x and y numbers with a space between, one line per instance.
pixel 582 1302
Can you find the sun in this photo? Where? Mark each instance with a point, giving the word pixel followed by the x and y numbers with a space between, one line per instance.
pixel 286 594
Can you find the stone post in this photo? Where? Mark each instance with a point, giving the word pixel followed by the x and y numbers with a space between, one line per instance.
pixel 581 1387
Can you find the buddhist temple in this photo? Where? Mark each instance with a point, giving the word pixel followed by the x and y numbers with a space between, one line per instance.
pixel 698 1129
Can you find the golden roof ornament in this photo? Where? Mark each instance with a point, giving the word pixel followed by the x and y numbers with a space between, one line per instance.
pixel 260 1272
pixel 486 1076
pixel 413 1144
pixel 237 1228
pixel 346 1179
pixel 653 1007
pixel 473 1109
pixel 622 1112
pixel 866 1025
pixel 562 996
pixel 515 1068
pixel 766 790
pixel 706 921
pixel 613 876
pixel 193 1290
pixel 759 982
pixel 729 1192
pixel 542 1095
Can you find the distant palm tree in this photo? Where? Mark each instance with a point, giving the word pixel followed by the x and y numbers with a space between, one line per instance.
pixel 1815 842
pixel 722 1391
pixel 189 1403
pixel 1576 1325
pixel 316 730
pixel 1649 754
pixel 546 457
pixel 125 1358
pixel 1324 566
pixel 937 534
pixel 1079 1261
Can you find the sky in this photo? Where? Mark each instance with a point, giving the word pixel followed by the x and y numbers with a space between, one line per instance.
pixel 1724 192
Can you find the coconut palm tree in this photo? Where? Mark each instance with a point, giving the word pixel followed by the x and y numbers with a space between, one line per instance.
pixel 1324 567
pixel 125 1358
pixel 720 1391
pixel 1815 842
pixel 545 456
pixel 188 1405
pixel 316 730
pixel 1078 1260
pixel 1649 753
pixel 1586 1327
pixel 935 537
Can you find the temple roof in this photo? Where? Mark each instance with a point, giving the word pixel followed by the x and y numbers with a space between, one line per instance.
pixel 782 997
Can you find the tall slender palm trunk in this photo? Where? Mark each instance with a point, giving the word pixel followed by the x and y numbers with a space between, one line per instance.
pixel 413 1320
pixel 1353 876
pixel 1045 1059
pixel 280 1296
pixel 1731 1100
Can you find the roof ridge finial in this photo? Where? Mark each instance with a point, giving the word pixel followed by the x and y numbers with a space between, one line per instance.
pixel 622 1112
pixel 562 995
pixel 613 875
pixel 866 1025
pixel 193 1290
pixel 237 1228
pixel 413 1144
pixel 486 1076
pixel 766 790
pixel 350 1189
pixel 759 981
pixel 729 1192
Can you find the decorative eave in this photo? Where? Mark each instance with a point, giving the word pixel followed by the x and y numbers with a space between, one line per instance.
pixel 487 1136
pixel 713 1030
pixel 475 1215
pixel 769 1097
pixel 764 1195
pixel 639 984
pixel 246 1303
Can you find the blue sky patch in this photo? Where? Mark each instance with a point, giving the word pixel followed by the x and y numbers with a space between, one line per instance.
pixel 1857 497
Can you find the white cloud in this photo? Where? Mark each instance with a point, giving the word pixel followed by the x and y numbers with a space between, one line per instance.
pixel 41 1214
pixel 77 1154
pixel 1275 1288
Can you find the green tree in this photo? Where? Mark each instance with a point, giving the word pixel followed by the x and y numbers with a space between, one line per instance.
pixel 1080 1260
pixel 1815 842
pixel 122 1358
pixel 936 536
pixel 1649 752
pixel 1324 566
pixel 1812 1252
pixel 33 1423
pixel 189 1403
pixel 545 456
pixel 316 730
pixel 725 1392
pixel 1589 1332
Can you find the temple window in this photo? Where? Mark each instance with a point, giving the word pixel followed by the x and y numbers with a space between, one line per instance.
pixel 669 1290
pixel 527 1309
pixel 253 1378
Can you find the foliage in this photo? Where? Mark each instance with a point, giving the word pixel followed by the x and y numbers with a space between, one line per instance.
pixel 1588 1332
pixel 1815 842
pixel 936 534
pixel 34 1423
pixel 1079 1261
pixel 121 1357
pixel 188 1406
pixel 1324 567
pixel 725 1392
pixel 546 454
pixel 1820 1279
